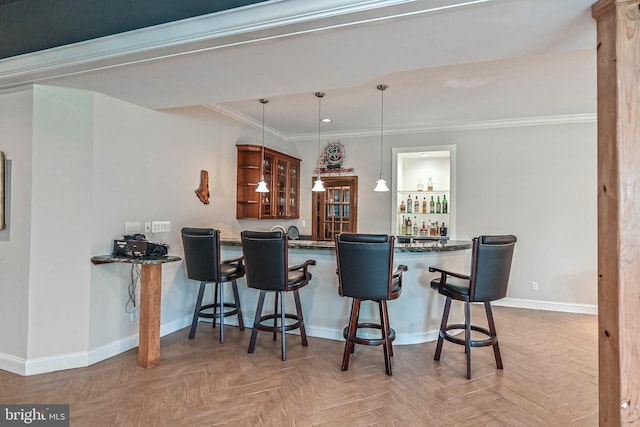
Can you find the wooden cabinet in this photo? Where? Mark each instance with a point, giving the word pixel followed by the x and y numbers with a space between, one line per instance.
pixel 282 175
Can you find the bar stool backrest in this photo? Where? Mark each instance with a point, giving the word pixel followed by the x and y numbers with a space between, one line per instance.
pixel 202 253
pixel 265 259
pixel 490 267
pixel 365 263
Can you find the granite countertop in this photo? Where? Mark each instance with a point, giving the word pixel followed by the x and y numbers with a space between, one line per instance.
pixel 419 246
pixel 106 259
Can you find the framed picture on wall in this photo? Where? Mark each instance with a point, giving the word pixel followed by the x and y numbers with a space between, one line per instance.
pixel 2 191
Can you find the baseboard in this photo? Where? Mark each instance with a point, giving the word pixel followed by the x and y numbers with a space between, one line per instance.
pixel 546 305
pixel 62 362
pixel 12 364
pixel 125 344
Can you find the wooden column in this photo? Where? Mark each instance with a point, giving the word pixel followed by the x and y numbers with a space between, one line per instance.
pixel 618 56
pixel 150 293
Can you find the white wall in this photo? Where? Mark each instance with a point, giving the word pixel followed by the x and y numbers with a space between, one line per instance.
pixel 60 217
pixel 102 162
pixel 15 127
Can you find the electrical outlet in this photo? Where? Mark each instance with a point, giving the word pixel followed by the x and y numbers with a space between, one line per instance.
pixel 147 227
pixel 303 223
pixel 534 286
pixel 134 314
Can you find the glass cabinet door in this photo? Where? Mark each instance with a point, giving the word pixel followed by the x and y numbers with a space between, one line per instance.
pixel 281 188
pixel 293 190
pixel 267 198
pixel 334 211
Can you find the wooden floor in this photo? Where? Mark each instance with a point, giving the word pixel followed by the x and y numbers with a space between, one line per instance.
pixel 549 379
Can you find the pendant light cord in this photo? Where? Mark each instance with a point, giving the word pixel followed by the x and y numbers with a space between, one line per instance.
pixel 263 102
pixel 319 95
pixel 382 88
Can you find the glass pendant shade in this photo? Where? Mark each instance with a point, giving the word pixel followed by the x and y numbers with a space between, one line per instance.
pixel 381 185
pixel 262 187
pixel 318 185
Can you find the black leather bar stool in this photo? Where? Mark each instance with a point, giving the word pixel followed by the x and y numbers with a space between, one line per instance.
pixel 202 259
pixel 267 263
pixel 490 267
pixel 365 272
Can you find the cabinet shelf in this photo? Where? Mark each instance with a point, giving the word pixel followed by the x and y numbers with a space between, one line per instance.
pixel 420 213
pixel 416 192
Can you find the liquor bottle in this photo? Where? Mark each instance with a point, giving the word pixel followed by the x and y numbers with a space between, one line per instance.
pixel 432 206
pixel 420 186
pixel 403 207
pixel 415 226
pixel 443 230
pixel 409 228
pixel 445 204
pixel 438 206
pixel 423 230
pixel 409 204
pixel 430 185
pixel 424 205
pixel 416 206
pixel 403 226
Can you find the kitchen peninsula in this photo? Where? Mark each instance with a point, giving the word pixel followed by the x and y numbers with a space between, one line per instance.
pixel 415 316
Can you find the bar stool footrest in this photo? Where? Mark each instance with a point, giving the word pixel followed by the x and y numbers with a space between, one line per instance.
pixel 365 340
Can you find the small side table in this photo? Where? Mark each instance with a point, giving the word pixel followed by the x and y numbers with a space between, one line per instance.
pixel 150 292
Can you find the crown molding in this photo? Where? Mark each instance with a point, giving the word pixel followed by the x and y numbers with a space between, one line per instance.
pixel 248 24
pixel 246 120
pixel 457 126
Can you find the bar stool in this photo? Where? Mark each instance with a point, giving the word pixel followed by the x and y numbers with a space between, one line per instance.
pixel 365 272
pixel 202 259
pixel 488 280
pixel 267 265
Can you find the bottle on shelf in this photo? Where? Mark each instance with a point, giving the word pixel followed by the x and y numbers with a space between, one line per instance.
pixel 420 186
pixel 432 206
pixel 438 206
pixel 424 205
pixel 443 230
pixel 416 206
pixel 415 226
pixel 403 207
pixel 423 230
pixel 408 228
pixel 409 204
pixel 430 184
pixel 445 204
pixel 403 226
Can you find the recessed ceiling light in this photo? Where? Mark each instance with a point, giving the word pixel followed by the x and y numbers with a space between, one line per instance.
pixel 326 120
pixel 424 154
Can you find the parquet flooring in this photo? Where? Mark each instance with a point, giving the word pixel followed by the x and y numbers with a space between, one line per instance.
pixel 549 379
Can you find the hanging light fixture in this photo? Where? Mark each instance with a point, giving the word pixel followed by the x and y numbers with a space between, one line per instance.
pixel 262 185
pixel 382 184
pixel 317 185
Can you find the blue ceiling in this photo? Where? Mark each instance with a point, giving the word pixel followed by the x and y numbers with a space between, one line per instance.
pixel 32 25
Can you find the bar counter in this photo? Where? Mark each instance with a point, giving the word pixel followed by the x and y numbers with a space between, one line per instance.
pixel 415 316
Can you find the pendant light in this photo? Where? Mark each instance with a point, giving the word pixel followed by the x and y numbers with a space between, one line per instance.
pixel 262 185
pixel 317 185
pixel 382 184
